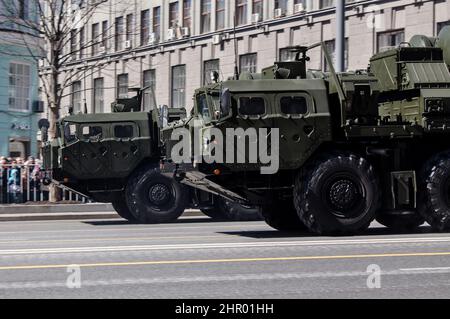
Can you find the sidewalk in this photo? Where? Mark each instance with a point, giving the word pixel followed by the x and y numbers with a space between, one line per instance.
pixel 64 212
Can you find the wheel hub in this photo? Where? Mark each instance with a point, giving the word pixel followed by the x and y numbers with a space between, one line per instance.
pixel 343 194
pixel 159 194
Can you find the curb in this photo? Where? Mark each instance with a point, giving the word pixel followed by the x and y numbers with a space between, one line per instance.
pixel 75 215
pixel 56 208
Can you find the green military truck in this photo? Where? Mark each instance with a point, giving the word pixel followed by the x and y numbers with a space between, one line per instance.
pixel 115 158
pixel 351 147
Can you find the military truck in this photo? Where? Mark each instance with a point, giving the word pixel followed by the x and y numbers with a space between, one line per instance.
pixel 353 147
pixel 115 157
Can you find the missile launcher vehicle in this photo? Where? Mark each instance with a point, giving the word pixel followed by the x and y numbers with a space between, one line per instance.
pixel 115 158
pixel 348 148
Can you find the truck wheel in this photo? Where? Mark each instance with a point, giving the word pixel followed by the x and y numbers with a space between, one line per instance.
pixel 337 194
pixel 434 192
pixel 237 212
pixel 282 216
pixel 154 198
pixel 401 221
pixel 120 206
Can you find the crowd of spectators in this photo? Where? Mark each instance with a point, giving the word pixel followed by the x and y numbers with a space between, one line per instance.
pixel 20 179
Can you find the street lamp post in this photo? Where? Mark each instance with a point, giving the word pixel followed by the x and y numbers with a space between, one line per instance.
pixel 340 35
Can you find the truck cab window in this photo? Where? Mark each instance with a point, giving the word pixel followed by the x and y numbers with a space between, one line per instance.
pixel 202 106
pixel 252 106
pixel 123 131
pixel 70 133
pixel 294 105
pixel 90 132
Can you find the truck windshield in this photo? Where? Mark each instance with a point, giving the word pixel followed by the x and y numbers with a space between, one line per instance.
pixel 202 106
pixel 215 100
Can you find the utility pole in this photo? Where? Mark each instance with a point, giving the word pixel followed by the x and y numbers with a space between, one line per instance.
pixel 340 36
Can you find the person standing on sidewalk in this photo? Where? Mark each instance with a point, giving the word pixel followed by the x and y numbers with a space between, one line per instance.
pixel 3 180
pixel 14 184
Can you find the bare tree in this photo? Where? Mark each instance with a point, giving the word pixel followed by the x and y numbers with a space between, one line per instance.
pixel 54 34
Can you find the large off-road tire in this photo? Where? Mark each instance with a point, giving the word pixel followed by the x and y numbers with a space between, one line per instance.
pixel 434 192
pixel 154 198
pixel 401 221
pixel 236 212
pixel 120 206
pixel 337 194
pixel 282 216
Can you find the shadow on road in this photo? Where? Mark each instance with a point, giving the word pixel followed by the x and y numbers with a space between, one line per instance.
pixel 378 231
pixel 117 222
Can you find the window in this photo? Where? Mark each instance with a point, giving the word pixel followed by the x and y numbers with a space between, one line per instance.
pixel 157 22
pixel 19 86
pixel 70 133
pixel 90 132
pixel 149 80
pixel 323 4
pixel 122 86
pixel 441 25
pixel 241 12
pixel 258 7
pixel 82 42
pixel 123 131
pixel 331 49
pixel 95 38
pixel 178 86
pixel 287 55
pixel 248 63
pixel 76 96
pixel 104 33
pixel 73 44
pixel 187 5
pixel 294 105
pixel 145 27
pixel 252 106
pixel 389 40
pixel 304 2
pixel 281 4
pixel 119 34
pixel 220 14
pixel 202 106
pixel 129 27
pixel 98 95
pixel 173 14
pixel 206 16
pixel 209 67
pixel 23 9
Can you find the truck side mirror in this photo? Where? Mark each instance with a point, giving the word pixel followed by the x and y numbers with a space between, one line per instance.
pixel 225 103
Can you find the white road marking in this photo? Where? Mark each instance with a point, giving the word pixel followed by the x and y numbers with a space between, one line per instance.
pixel 380 241
pixel 206 279
pixel 425 269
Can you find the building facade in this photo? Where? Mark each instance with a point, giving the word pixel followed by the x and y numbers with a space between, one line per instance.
pixel 173 45
pixel 19 86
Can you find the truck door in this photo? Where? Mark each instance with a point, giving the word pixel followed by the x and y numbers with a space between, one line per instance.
pixel 70 154
pixel 298 129
pixel 124 148
pixel 93 150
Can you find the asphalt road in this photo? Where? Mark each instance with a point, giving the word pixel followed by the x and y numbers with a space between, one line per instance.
pixel 198 258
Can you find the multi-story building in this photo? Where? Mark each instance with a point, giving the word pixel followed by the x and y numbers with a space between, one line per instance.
pixel 18 85
pixel 173 45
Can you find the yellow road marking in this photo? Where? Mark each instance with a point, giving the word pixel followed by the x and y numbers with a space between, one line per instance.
pixel 233 260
